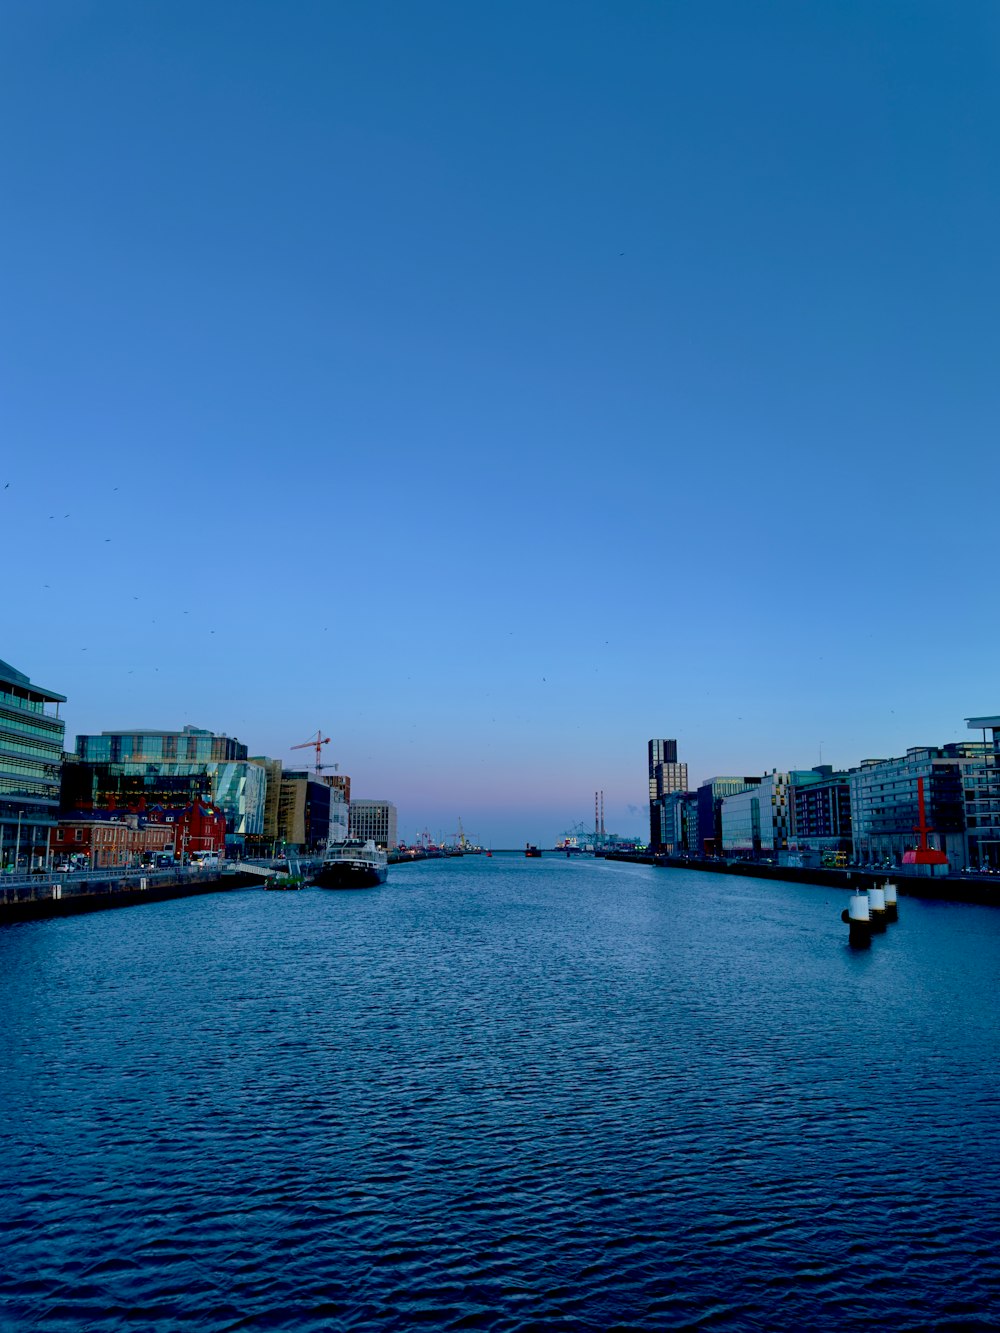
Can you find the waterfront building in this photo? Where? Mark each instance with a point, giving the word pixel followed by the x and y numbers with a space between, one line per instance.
pixel 124 769
pixel 304 811
pixel 31 757
pixel 339 782
pixel 885 807
pixel 146 746
pixel 711 794
pixel 666 775
pixel 740 820
pixel 109 840
pixel 375 820
pixel 339 806
pixel 199 827
pixel 272 795
pixel 823 812
pixel 761 819
pixel 678 831
pixel 981 795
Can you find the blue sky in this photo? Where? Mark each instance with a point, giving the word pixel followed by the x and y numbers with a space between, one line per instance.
pixel 498 386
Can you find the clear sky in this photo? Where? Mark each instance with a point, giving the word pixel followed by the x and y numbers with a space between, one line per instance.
pixel 496 386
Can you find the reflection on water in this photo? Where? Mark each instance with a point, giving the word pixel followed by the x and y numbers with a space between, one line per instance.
pixel 500 1094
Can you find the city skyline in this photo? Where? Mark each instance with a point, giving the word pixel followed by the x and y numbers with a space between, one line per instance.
pixel 621 818
pixel 499 391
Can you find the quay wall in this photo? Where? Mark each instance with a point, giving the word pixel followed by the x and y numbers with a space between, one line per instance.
pixel 947 889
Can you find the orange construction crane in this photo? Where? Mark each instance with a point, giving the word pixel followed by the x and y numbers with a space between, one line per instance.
pixel 316 744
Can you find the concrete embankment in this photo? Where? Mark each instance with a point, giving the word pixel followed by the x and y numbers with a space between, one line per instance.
pixel 957 889
pixel 46 899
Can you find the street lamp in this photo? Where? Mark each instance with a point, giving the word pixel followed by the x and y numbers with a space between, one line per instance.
pixel 17 845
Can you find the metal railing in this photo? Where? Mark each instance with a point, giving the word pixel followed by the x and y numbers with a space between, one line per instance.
pixel 34 888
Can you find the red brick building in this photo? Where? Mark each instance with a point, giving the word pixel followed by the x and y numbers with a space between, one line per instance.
pixel 124 837
pixel 104 843
pixel 199 827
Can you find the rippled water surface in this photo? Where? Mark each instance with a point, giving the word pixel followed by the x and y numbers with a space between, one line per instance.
pixel 501 1094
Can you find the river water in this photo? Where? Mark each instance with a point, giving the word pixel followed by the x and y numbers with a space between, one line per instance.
pixel 501 1094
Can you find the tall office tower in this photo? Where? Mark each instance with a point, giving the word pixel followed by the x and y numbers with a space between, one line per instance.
pixel 666 775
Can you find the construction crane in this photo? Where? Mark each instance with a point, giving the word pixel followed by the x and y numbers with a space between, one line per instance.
pixel 316 743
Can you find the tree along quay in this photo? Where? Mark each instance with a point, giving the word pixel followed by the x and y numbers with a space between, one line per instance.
pixel 956 890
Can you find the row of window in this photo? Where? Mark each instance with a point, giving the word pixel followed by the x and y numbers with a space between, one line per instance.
pixel 51 755
pixel 13 787
pixel 22 704
pixel 30 768
pixel 46 731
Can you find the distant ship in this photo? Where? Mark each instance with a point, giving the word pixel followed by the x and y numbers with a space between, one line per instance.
pixel 353 865
pixel 531 850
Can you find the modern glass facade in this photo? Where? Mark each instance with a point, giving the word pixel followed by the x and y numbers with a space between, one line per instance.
pixel 272 798
pixel 679 823
pixel 238 788
pixel 711 794
pixel 741 822
pixel 31 756
pixel 981 789
pixel 143 746
pixel 762 819
pixel 885 809
pixel 161 767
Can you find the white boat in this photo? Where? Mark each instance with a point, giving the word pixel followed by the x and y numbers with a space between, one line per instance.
pixel 352 865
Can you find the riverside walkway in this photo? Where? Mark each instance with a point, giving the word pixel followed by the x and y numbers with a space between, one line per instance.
pixel 29 897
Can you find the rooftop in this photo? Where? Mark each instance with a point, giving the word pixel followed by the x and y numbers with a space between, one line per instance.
pixel 11 676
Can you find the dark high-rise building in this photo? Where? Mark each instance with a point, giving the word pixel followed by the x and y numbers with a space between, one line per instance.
pixel 666 775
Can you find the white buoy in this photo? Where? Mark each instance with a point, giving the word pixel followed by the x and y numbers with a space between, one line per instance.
pixel 891 910
pixel 858 917
pixel 876 906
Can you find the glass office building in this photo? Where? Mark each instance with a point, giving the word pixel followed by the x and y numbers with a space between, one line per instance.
pixel 31 756
pixel 981 789
pixel 885 806
pixel 711 794
pixel 190 745
pixel 740 817
pixel 762 819
pixel 679 824
pixel 122 769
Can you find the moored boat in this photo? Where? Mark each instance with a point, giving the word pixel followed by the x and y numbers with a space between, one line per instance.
pixel 284 882
pixel 352 865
